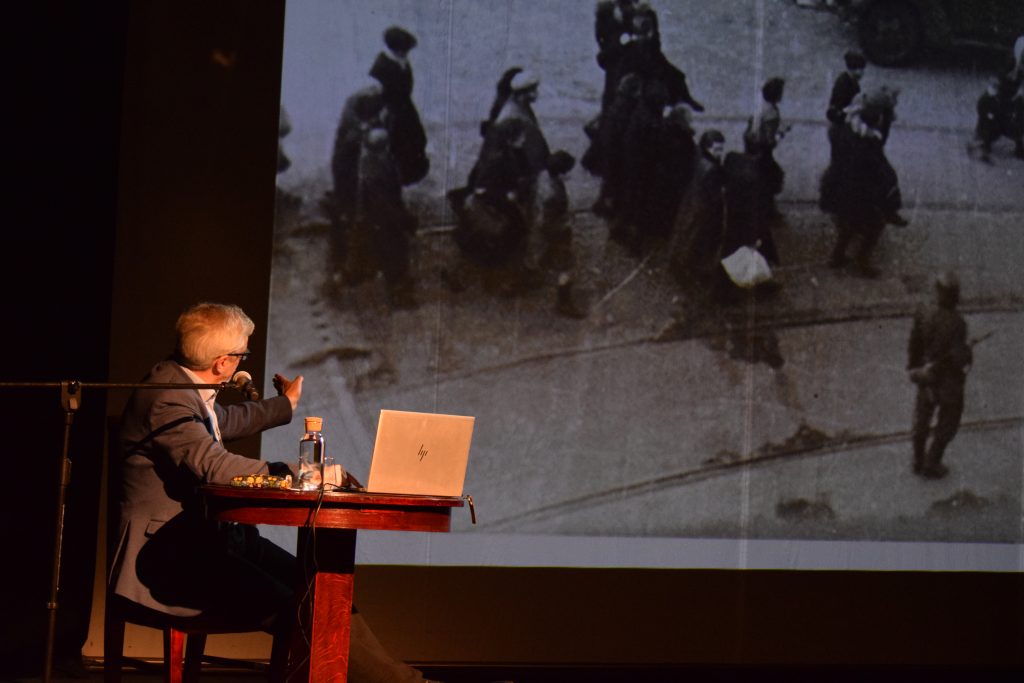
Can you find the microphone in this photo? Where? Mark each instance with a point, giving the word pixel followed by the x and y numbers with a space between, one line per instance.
pixel 242 381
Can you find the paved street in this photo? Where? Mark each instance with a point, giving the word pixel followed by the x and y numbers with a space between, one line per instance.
pixel 779 419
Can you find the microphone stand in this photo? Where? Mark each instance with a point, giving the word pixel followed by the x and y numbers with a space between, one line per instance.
pixel 71 401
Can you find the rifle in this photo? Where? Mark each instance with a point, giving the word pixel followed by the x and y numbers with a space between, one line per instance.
pixel 924 375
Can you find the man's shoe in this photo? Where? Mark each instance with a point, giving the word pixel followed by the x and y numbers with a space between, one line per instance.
pixel 937 471
pixel 567 303
pixel 897 220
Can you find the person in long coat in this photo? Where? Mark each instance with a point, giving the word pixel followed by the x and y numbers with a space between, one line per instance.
pixel 637 56
pixel 763 134
pixel 604 157
pixel 490 211
pixel 635 219
pixel 844 90
pixel 525 89
pixel 860 188
pixel 405 130
pixel 361 112
pixel 676 165
pixel 642 55
pixel 613 24
pixel 381 235
pixel 697 235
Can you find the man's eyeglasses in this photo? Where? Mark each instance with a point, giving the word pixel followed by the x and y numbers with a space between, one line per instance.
pixel 241 355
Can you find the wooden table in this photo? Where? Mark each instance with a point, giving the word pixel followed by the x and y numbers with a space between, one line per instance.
pixel 326 551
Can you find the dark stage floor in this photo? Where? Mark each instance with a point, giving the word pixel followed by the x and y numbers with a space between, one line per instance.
pixel 92 672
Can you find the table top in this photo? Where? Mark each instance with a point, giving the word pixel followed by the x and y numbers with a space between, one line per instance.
pixel 330 509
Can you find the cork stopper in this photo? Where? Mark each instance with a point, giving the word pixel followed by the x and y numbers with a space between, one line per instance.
pixel 314 424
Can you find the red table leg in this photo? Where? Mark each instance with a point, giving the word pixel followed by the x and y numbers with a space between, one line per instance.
pixel 328 556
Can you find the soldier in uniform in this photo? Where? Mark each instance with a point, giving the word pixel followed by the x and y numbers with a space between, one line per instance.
pixel 939 358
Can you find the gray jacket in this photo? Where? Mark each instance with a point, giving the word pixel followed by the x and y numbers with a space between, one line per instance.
pixel 167 450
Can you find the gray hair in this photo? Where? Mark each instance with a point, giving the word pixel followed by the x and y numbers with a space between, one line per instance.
pixel 209 330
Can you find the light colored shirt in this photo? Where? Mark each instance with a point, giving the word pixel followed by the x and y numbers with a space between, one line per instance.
pixel 208 396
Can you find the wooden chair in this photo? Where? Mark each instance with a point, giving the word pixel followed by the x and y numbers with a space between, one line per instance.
pixel 184 639
pixel 184 643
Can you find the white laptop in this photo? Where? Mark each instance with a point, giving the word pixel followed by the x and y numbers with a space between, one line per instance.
pixel 420 453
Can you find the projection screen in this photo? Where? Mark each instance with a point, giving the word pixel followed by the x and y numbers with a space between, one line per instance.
pixel 632 411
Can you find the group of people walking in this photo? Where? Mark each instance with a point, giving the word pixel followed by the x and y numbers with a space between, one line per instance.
pixel 663 186
pixel 379 148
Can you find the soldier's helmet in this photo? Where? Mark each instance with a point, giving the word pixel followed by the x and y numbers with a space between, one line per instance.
pixel 947 280
pixel 854 60
pixel 947 288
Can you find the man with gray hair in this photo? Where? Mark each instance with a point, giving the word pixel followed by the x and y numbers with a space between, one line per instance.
pixel 169 558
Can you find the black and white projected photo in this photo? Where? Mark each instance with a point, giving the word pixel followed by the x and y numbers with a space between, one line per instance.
pixel 725 284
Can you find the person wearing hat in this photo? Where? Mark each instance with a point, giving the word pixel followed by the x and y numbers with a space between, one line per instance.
pixel 939 358
pixel 405 129
pixel 844 90
pixel 502 91
pixel 642 55
pixel 490 211
pixel 846 87
pixel 361 112
pixel 860 188
pixel 524 90
pixel 613 24
pixel 497 213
